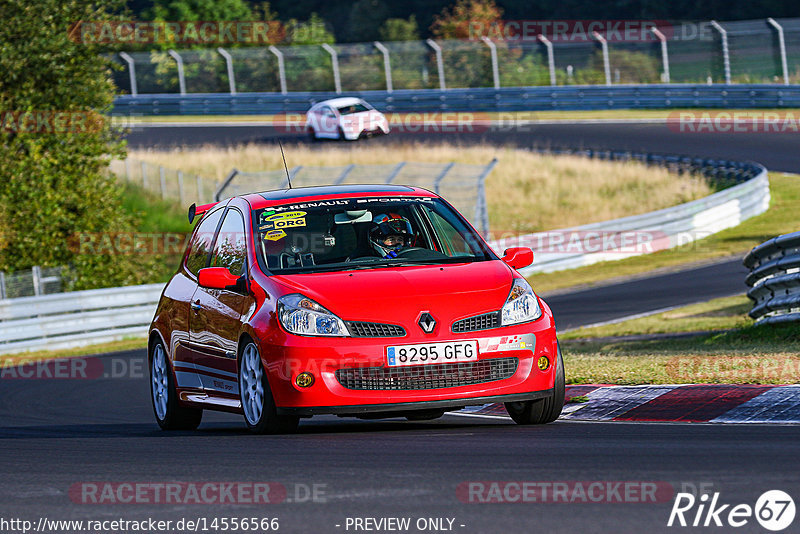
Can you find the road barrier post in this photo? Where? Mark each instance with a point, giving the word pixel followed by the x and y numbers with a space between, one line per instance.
pixel 387 66
pixel 229 64
pixel 726 60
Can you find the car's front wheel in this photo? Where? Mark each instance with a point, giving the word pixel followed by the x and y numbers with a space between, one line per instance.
pixel 170 415
pixel 541 411
pixel 257 402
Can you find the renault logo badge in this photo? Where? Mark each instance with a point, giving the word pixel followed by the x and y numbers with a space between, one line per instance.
pixel 427 322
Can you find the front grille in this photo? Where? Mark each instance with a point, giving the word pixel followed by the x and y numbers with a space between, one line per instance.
pixel 478 322
pixel 364 329
pixel 445 375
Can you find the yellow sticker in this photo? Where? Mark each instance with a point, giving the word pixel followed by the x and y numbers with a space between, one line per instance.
pixel 274 235
pixel 289 219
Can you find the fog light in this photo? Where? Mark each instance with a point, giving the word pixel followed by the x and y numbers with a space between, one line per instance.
pixel 544 363
pixel 304 380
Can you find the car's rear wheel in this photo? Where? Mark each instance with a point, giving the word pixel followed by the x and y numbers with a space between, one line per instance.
pixel 258 404
pixel 170 415
pixel 312 135
pixel 541 411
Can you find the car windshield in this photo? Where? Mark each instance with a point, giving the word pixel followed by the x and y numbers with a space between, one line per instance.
pixel 364 233
pixel 353 108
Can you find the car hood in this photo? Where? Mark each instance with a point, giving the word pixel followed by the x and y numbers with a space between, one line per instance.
pixel 399 294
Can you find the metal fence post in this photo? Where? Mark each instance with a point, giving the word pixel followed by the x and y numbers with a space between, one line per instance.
pixel 337 82
pixel 664 52
pixel 179 61
pixel 606 64
pixel 225 183
pixel 726 60
pixel 439 63
pixel 36 278
pixel 395 172
pixel 199 184
pixel 3 293
pixel 438 179
pixel 481 208
pixel 128 169
pixel 342 177
pixel 281 67
pixel 163 177
pixel 229 64
pixel 144 175
pixel 551 62
pixel 180 187
pixel 782 47
pixel 131 72
pixel 493 53
pixel 387 66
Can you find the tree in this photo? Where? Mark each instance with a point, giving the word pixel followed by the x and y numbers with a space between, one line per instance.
pixel 461 20
pixel 54 179
pixel 400 30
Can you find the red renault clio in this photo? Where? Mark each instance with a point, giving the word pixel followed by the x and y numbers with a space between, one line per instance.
pixel 366 301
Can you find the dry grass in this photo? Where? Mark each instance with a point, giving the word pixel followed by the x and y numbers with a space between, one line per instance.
pixel 526 192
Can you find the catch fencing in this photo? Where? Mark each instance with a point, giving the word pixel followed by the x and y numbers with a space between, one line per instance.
pixel 166 183
pixel 463 185
pixel 774 279
pixel 754 51
pixel 33 282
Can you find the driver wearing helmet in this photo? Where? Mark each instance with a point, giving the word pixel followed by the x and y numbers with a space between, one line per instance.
pixel 390 234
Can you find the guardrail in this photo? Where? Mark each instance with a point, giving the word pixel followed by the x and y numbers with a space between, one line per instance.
pixel 573 97
pixel 65 320
pixel 774 279
pixel 658 230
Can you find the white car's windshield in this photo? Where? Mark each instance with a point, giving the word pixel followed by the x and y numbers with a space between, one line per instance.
pixel 339 234
pixel 353 108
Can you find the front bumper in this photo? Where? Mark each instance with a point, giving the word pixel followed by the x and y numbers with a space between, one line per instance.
pixel 446 405
pixel 286 356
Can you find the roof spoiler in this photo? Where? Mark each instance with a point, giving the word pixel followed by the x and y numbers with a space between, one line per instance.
pixel 195 210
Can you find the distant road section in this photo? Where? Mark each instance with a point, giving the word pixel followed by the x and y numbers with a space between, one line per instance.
pixel 776 151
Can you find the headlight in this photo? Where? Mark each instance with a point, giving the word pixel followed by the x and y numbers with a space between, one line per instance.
pixel 300 315
pixel 521 305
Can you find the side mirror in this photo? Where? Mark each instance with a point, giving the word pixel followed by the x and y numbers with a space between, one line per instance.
pixel 219 278
pixel 517 257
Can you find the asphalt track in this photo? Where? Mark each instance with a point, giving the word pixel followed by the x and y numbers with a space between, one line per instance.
pixel 777 151
pixel 57 434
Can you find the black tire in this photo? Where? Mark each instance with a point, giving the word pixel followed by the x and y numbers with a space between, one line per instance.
pixel 541 411
pixel 175 417
pixel 341 136
pixel 268 421
pixel 312 135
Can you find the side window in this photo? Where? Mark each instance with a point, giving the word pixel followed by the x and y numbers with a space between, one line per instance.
pixel 452 240
pixel 230 250
pixel 200 247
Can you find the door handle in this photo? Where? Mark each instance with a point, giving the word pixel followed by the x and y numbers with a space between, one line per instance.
pixel 196 307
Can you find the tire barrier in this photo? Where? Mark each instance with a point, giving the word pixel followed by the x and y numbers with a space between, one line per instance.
pixel 774 279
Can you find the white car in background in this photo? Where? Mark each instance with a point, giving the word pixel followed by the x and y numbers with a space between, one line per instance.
pixel 346 118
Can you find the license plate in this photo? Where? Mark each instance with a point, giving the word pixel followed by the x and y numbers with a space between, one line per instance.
pixel 432 353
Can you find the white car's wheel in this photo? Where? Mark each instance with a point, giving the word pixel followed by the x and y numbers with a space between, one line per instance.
pixel 170 415
pixel 257 402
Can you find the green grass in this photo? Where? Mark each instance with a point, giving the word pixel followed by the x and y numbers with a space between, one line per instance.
pixel 782 217
pixel 763 354
pixel 718 314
